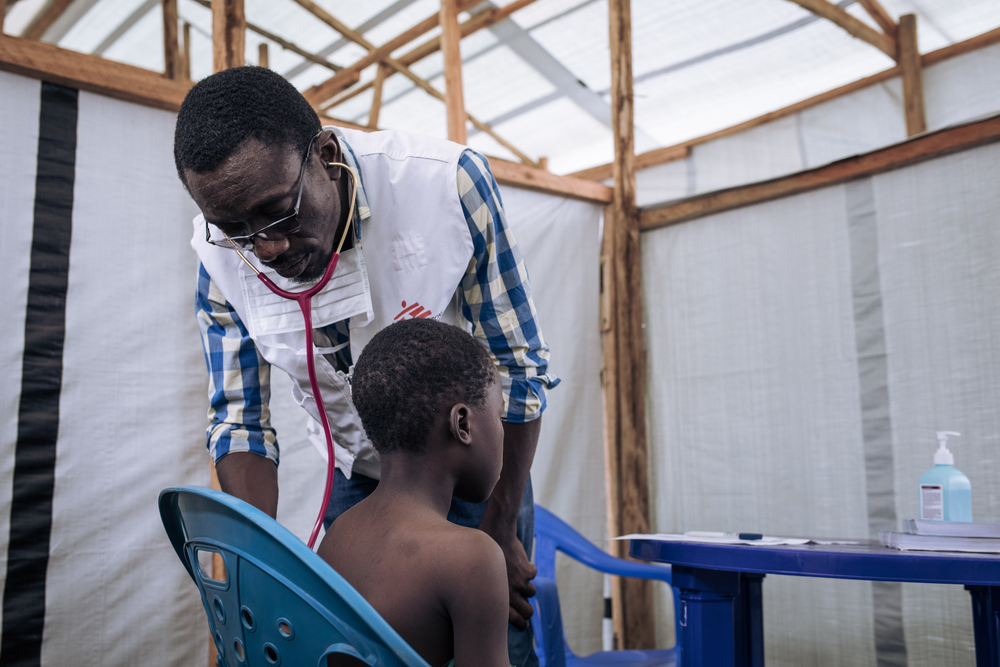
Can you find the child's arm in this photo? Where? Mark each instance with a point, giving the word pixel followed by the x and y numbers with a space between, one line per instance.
pixel 478 601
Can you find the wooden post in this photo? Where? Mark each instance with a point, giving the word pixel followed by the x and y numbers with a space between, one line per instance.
pixel 624 375
pixel 913 81
pixel 172 65
pixel 186 54
pixel 377 97
pixel 454 99
pixel 228 34
pixel 262 56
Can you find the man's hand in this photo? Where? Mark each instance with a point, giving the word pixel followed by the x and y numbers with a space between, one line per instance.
pixel 252 478
pixel 500 519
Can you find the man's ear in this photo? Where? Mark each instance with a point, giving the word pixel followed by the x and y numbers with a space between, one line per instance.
pixel 329 152
pixel 458 422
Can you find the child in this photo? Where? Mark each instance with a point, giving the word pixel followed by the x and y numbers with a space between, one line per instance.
pixel 430 401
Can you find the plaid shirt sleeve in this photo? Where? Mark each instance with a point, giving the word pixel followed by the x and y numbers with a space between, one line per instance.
pixel 495 295
pixel 239 378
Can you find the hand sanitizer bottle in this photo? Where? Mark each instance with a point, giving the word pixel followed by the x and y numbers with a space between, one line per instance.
pixel 945 493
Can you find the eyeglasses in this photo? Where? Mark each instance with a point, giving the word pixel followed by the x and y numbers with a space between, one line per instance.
pixel 275 231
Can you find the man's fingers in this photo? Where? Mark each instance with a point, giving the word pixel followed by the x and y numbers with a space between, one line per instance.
pixel 522 607
pixel 527 590
pixel 517 620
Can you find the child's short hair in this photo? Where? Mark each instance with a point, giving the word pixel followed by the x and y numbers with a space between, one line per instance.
pixel 409 371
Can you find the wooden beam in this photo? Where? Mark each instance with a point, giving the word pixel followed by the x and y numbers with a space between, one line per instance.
pixel 481 20
pixel 882 17
pixel 50 63
pixel 377 97
pixel 342 81
pixel 662 155
pixel 359 39
pixel 284 43
pixel 913 80
pixel 328 120
pixel 919 149
pixel 539 180
pixel 855 27
pixel 44 20
pixel 172 66
pixel 229 26
pixel 644 161
pixel 454 99
pixel 263 58
pixel 186 53
pixel 628 507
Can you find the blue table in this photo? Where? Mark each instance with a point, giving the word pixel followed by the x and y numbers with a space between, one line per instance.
pixel 721 616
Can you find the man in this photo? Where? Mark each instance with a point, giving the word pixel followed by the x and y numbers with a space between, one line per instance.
pixel 426 238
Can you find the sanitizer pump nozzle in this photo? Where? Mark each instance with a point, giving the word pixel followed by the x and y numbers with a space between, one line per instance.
pixel 943 455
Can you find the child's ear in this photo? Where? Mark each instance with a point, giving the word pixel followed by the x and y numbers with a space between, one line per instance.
pixel 459 423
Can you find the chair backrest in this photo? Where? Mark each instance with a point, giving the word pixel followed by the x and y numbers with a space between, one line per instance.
pixel 278 603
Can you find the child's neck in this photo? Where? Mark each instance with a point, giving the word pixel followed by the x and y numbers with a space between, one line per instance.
pixel 418 479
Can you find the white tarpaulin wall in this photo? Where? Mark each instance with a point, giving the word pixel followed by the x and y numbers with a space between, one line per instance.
pixel 110 408
pixel 801 354
pixel 955 90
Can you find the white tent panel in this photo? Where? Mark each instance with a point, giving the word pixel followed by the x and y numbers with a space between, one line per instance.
pixel 938 243
pixel 764 152
pixel 130 423
pixel 19 106
pixel 962 88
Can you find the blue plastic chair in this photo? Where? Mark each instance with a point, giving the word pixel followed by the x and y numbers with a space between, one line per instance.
pixel 280 603
pixel 552 534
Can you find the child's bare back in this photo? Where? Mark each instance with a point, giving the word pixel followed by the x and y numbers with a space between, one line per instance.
pixel 441 586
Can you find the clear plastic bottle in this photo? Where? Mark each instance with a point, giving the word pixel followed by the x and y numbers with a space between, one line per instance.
pixel 945 492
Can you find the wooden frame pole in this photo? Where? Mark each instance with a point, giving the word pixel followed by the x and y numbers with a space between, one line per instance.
pixel 882 17
pixel 913 80
pixel 377 97
pixel 263 57
pixel 855 27
pixel 186 53
pixel 624 375
pixel 451 50
pixel 229 26
pixel 172 64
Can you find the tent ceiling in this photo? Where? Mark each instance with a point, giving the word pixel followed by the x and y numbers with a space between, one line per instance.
pixel 541 77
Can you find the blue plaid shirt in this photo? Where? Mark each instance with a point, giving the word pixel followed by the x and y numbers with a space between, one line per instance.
pixel 495 297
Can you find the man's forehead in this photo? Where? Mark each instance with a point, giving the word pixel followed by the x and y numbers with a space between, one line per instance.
pixel 255 173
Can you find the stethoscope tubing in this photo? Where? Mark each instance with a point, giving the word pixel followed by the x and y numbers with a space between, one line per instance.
pixel 304 299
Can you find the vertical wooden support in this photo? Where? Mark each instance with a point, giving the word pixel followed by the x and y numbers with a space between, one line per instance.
pixel 263 59
pixel 451 35
pixel 624 375
pixel 229 26
pixel 172 65
pixel 913 80
pixel 186 54
pixel 380 75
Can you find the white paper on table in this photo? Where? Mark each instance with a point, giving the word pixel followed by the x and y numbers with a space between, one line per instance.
pixel 728 538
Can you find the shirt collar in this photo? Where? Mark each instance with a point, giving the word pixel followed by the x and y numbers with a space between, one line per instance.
pixel 361 206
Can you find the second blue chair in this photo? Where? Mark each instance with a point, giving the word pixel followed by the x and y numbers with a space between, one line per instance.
pixel 552 534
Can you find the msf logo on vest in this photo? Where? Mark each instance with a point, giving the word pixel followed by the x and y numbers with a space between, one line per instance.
pixel 411 312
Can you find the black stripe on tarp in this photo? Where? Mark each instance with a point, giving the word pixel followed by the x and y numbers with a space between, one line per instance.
pixel 41 382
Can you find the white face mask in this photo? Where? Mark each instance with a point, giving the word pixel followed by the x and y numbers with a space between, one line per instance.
pixel 346 295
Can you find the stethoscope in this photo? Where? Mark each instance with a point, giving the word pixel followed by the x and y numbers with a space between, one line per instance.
pixel 304 299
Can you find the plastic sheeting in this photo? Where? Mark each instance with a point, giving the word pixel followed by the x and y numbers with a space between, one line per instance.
pixel 801 353
pixel 955 90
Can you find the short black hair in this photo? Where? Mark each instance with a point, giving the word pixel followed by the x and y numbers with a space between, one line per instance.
pixel 408 372
pixel 225 109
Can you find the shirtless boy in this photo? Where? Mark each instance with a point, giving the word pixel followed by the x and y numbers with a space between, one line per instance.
pixel 442 587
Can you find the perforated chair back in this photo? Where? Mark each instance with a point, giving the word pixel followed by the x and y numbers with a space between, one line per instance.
pixel 553 534
pixel 278 603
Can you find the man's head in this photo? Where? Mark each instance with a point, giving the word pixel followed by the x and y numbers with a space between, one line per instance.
pixel 244 136
pixel 420 373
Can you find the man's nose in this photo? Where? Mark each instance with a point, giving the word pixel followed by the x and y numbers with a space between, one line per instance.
pixel 269 250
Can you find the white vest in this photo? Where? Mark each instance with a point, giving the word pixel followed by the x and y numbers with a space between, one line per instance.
pixel 415 247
